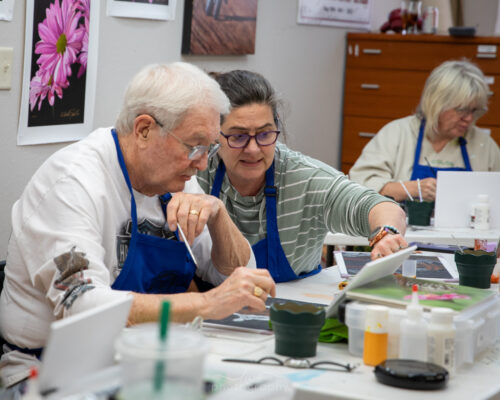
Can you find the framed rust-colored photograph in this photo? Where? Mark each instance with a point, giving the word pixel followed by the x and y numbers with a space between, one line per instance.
pixel 219 27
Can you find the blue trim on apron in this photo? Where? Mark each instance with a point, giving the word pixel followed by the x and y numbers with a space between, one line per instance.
pixel 33 352
pixel 426 171
pixel 153 264
pixel 268 251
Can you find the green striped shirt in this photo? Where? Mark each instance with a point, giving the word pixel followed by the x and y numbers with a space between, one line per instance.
pixel 313 198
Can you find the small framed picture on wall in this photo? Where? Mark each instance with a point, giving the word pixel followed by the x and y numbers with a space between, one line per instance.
pixel 219 27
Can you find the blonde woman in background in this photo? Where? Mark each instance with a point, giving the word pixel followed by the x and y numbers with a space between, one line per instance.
pixel 441 136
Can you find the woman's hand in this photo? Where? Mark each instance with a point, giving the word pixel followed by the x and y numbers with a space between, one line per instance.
pixel 243 288
pixel 389 244
pixel 428 189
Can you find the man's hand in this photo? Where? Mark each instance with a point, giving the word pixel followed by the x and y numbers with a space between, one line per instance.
pixel 192 212
pixel 387 245
pixel 238 291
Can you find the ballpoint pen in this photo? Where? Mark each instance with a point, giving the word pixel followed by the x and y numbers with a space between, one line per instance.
pixel 187 244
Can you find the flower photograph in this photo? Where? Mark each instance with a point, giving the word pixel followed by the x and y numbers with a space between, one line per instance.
pixel 59 62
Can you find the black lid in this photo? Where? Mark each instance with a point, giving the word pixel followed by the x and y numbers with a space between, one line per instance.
pixel 411 374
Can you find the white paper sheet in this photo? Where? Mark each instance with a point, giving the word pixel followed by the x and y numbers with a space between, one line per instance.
pixel 6 10
pixel 342 13
pixel 457 190
pixel 150 10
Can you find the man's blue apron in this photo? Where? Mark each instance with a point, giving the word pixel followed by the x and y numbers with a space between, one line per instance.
pixel 426 171
pixel 268 252
pixel 153 264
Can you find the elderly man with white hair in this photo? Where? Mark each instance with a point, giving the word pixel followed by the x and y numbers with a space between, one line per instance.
pixel 100 219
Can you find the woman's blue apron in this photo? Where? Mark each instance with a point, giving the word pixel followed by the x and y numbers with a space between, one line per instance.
pixel 268 252
pixel 153 264
pixel 426 171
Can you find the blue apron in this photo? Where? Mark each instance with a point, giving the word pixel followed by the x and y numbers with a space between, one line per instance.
pixel 426 171
pixel 268 252
pixel 153 264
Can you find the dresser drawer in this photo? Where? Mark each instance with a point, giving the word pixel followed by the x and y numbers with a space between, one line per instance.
pixel 385 82
pixel 395 94
pixel 423 56
pixel 374 105
pixel 357 133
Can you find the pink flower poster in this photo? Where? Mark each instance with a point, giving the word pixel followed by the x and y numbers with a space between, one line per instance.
pixel 59 75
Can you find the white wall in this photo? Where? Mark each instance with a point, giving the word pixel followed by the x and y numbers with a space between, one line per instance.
pixel 304 63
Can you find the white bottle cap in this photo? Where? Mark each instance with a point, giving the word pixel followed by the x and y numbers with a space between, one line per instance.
pixel 483 198
pixel 442 315
pixel 376 319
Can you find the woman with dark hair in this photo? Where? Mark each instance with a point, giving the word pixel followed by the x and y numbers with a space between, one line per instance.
pixel 282 201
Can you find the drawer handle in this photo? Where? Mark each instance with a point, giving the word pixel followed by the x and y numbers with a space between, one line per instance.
pixel 486 55
pixel 370 86
pixel 366 134
pixel 372 51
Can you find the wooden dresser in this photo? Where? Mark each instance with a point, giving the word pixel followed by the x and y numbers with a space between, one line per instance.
pixel 385 75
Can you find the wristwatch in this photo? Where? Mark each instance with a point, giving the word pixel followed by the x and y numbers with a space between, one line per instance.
pixel 379 232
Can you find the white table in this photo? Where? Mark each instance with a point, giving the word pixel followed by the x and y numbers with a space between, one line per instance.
pixel 477 381
pixel 456 236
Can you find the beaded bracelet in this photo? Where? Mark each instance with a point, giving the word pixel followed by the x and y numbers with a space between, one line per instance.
pixel 380 232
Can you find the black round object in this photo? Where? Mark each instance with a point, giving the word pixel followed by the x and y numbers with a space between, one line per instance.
pixel 411 374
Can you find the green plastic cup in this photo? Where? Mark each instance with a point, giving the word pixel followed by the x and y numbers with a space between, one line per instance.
pixel 475 267
pixel 419 213
pixel 296 328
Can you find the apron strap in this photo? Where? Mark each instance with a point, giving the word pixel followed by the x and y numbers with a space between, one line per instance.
pixel 465 155
pixel 123 167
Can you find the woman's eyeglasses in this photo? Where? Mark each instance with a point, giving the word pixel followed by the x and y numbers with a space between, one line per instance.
pixel 240 140
pixel 465 112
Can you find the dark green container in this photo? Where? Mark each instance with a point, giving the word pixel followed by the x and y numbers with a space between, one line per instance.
pixel 419 213
pixel 475 267
pixel 296 328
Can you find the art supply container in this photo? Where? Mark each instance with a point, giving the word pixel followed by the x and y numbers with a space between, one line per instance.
pixel 296 328
pixel 410 268
pixel 376 335
pixel 355 321
pixel 419 213
pixel 155 370
pixel 475 267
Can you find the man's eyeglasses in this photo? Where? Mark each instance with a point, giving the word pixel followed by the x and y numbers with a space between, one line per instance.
pixel 194 152
pixel 465 112
pixel 240 140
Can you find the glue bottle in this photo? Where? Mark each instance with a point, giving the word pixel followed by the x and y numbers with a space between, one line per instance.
pixel 31 391
pixel 480 213
pixel 413 331
pixel 376 335
pixel 441 339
